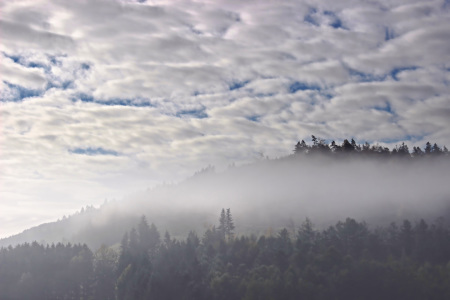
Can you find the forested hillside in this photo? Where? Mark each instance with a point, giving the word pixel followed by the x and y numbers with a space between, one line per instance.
pixel 344 261
pixel 324 181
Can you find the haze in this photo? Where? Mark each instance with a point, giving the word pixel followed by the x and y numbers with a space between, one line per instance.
pixel 275 193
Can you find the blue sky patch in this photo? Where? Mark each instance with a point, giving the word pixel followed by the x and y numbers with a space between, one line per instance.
pixel 94 151
pixel 14 58
pixel 193 113
pixel 396 71
pixel 126 102
pixel 113 102
pixel 327 94
pixel 302 86
pixel 309 18
pixel 414 138
pixel 388 34
pixel 85 98
pixel 387 108
pixel 68 84
pixel 20 61
pixel 253 118
pixel 85 66
pixel 408 137
pixel 364 77
pixel 21 92
pixel 38 65
pixel 55 59
pixel 238 84
pixel 336 23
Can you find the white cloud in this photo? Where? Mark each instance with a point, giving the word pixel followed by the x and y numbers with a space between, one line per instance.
pixel 205 82
pixel 19 75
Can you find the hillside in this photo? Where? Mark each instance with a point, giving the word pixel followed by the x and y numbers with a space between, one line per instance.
pixel 317 182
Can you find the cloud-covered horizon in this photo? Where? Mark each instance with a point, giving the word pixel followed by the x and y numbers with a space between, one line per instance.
pixel 102 98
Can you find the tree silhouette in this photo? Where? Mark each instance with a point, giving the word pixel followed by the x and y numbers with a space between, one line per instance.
pixel 229 225
pixel 222 229
pixel 300 147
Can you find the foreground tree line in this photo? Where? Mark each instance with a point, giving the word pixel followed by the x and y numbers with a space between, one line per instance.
pixel 351 148
pixel 344 261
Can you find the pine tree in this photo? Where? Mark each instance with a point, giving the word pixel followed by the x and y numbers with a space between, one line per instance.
pixel 319 145
pixel 104 269
pixel 403 150
pixel 167 240
pixel 222 229
pixel 436 150
pixel 125 256
pixel 154 239
pixel 134 242
pixel 297 149
pixel 417 152
pixel 229 225
pixel 427 148
pixel 144 235
pixel 406 237
pixel 300 147
pixel 355 147
pixel 347 147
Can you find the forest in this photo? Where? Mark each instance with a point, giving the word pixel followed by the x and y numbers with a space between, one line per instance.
pixel 319 146
pixel 345 261
pixel 350 259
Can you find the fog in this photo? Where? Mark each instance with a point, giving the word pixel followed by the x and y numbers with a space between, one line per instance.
pixel 276 193
pixel 269 195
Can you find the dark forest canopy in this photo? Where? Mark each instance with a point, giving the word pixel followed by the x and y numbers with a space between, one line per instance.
pixel 345 261
pixel 319 146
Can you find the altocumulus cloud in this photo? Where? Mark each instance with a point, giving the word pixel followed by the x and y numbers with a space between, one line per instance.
pixel 101 98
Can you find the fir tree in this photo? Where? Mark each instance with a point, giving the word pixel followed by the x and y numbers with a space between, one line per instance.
pixel 222 224
pixel 428 148
pixel 436 150
pixel 144 235
pixel 300 147
pixel 229 225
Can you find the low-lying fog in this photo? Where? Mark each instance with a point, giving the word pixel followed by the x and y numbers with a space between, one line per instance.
pixel 271 194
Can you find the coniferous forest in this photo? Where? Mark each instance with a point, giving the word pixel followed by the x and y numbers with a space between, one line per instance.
pixel 345 261
pixel 350 259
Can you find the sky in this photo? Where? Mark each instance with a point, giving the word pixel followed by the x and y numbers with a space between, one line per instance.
pixel 103 98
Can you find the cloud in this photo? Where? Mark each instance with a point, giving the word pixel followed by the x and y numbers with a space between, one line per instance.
pixel 173 86
pixel 31 78
pixel 19 36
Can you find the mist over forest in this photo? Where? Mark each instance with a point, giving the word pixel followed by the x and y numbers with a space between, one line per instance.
pixel 331 220
pixel 323 182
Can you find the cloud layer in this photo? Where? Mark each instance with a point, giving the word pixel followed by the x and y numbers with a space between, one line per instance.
pixel 101 98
